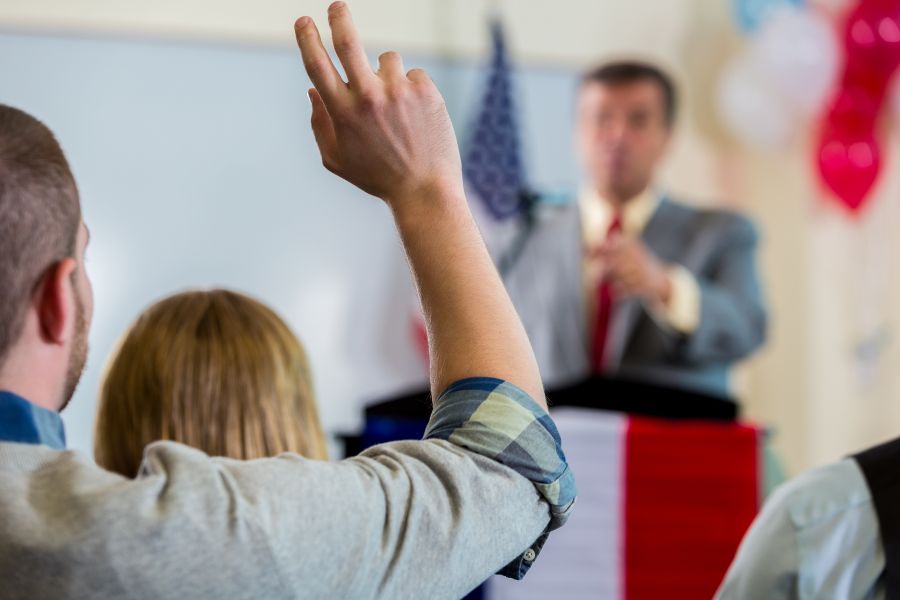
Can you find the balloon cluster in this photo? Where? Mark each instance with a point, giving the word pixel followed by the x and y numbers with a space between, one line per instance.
pixel 785 74
pixel 751 14
pixel 849 157
pixel 797 67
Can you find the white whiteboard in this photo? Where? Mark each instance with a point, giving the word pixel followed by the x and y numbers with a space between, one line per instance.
pixel 197 168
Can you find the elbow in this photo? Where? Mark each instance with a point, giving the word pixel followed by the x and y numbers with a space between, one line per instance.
pixel 730 341
pixel 757 330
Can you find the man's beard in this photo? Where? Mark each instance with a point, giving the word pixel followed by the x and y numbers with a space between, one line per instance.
pixel 78 358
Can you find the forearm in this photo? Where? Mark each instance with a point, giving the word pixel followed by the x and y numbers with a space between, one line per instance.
pixel 732 324
pixel 389 133
pixel 473 328
pixel 733 316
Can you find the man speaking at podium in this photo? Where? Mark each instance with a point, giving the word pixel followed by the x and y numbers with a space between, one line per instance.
pixel 628 282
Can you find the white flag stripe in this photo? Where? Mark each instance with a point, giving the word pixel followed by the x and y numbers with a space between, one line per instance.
pixel 584 558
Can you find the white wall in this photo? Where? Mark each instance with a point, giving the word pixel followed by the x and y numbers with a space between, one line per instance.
pixel 197 167
pixel 564 31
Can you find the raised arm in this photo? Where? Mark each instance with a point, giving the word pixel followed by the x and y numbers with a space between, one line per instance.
pixel 388 133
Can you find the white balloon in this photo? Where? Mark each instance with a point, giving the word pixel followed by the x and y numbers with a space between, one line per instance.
pixel 751 109
pixel 797 50
pixel 835 6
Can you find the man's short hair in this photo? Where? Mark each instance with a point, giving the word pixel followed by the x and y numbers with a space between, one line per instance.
pixel 39 215
pixel 629 71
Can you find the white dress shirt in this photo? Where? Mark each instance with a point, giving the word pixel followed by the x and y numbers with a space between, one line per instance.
pixel 816 537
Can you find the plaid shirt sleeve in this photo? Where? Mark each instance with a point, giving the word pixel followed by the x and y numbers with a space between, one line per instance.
pixel 498 420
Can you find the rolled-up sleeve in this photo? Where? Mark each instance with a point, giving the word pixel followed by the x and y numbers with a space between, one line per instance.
pixel 498 420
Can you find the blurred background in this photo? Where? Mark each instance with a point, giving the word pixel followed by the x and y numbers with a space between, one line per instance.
pixel 186 123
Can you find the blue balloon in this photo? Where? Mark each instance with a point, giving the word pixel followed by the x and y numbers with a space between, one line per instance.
pixel 750 14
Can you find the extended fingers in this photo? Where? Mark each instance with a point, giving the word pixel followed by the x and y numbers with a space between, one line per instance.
pixel 348 47
pixel 318 64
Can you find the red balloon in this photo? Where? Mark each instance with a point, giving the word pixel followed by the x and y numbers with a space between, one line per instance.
pixel 854 108
pixel 872 37
pixel 849 163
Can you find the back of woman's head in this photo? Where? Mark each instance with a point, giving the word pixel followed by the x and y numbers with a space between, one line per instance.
pixel 214 370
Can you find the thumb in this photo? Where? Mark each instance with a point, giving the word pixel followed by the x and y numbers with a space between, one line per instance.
pixel 323 130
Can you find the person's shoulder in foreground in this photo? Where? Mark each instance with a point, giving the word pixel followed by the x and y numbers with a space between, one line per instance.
pixel 816 537
pixel 454 506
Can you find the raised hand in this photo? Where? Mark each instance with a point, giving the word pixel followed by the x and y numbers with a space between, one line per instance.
pixel 385 131
pixel 388 133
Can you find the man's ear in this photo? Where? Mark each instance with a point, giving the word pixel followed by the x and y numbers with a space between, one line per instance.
pixel 55 302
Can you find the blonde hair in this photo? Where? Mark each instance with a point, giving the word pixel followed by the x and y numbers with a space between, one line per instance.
pixel 214 370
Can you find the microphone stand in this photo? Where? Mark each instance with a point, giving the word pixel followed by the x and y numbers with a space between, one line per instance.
pixel 529 199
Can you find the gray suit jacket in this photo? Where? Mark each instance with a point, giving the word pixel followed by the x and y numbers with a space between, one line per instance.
pixel 717 247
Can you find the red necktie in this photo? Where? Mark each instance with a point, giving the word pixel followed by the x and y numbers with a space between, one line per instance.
pixel 605 301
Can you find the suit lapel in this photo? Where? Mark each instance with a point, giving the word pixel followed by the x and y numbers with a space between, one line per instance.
pixel 656 232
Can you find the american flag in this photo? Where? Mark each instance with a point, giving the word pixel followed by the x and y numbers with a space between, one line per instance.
pixel 492 163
